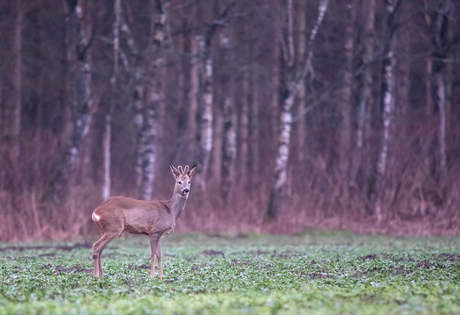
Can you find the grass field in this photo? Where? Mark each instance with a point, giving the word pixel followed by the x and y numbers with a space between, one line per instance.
pixel 319 273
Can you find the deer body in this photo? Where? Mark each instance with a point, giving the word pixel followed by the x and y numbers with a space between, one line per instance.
pixel 153 218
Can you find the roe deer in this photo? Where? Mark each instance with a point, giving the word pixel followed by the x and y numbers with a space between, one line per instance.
pixel 153 218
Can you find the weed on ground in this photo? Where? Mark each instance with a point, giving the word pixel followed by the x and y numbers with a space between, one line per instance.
pixel 321 273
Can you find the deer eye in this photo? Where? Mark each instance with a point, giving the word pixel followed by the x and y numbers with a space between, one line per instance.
pixel 189 182
pixel 179 182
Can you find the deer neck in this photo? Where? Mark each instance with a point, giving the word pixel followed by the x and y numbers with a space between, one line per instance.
pixel 177 204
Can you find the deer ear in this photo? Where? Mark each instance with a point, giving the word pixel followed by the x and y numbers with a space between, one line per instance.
pixel 175 171
pixel 191 172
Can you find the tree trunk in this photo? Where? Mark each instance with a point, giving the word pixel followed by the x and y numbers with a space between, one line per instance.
pixel 365 97
pixel 288 95
pixel 346 105
pixel 440 48
pixel 82 112
pixel 16 117
pixel 388 93
pixel 206 112
pixel 148 144
pixel 12 121
pixel 229 148
pixel 441 93
pixel 275 89
pixel 254 156
pixel 139 100
pixel 138 96
pixel 107 157
pixel 229 120
pixel 301 97
pixel 244 128
pixel 193 97
pixel 108 117
pixel 154 99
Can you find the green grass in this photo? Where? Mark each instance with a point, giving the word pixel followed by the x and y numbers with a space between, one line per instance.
pixel 320 273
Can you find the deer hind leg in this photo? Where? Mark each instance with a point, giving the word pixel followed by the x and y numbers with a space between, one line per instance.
pixel 153 253
pixel 97 250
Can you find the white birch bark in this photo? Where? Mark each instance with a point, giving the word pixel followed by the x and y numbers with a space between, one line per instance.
pixel 84 101
pixel 229 142
pixel 108 118
pixel 388 91
pixel 205 101
pixel 346 104
pixel 365 97
pixel 388 106
pixel 80 29
pixel 244 127
pixel 275 86
pixel 441 39
pixel 193 96
pixel 229 148
pixel 138 101
pixel 292 87
pixel 387 115
pixel 206 112
pixel 428 87
pixel 107 157
pixel 153 100
pixel 301 96
pixel 206 131
pixel 148 144
pixel 254 156
pixel 441 93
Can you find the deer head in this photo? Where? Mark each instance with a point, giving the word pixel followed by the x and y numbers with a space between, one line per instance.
pixel 183 177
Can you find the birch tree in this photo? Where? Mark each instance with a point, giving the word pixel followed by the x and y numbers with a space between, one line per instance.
pixel 388 101
pixel 205 107
pixel 244 126
pixel 440 47
pixel 254 123
pixel 365 95
pixel 108 117
pixel 301 97
pixel 154 98
pixel 192 96
pixel 135 68
pixel 146 68
pixel 80 30
pixel 346 102
pixel 229 120
pixel 205 94
pixel 290 89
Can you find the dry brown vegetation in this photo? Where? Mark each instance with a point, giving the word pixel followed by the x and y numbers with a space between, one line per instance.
pixel 331 181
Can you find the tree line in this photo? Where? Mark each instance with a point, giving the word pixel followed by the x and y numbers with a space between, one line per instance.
pixel 297 113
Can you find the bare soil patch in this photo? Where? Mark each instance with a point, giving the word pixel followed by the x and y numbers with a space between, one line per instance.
pixel 59 269
pixel 63 247
pixel 211 252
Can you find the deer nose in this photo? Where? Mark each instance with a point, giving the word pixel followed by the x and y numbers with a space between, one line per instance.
pixel 186 190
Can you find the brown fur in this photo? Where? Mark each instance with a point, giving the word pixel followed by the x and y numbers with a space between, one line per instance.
pixel 153 218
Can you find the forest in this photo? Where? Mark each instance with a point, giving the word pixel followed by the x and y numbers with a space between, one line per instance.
pixel 299 114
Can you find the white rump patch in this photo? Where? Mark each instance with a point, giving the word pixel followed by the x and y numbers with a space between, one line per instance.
pixel 95 217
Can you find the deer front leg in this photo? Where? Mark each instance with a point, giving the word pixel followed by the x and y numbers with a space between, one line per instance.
pixel 160 265
pixel 153 253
